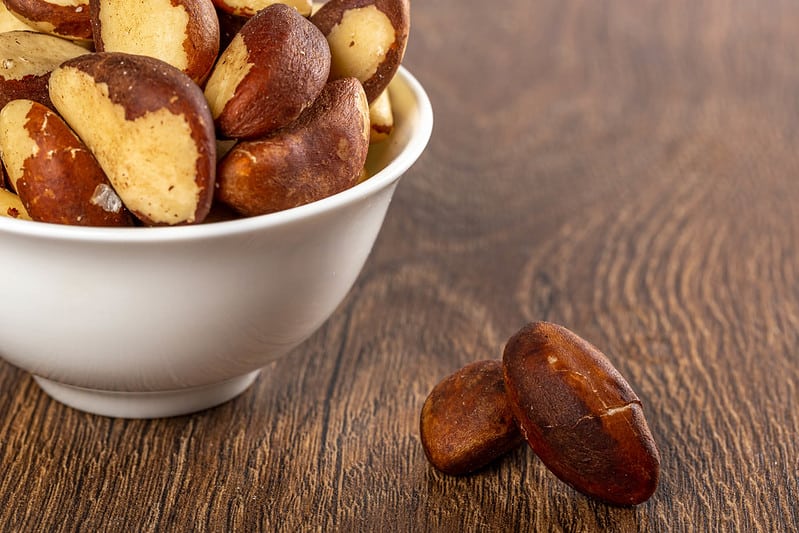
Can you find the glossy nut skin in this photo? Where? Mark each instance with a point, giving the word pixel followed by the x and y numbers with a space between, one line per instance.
pixel 579 415
pixel 272 71
pixel 466 420
pixel 318 155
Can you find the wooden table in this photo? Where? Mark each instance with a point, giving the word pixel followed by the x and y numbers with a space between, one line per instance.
pixel 627 169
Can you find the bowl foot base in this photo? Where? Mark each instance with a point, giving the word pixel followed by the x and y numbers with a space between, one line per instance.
pixel 159 404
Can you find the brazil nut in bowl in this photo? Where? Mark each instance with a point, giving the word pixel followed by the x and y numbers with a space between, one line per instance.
pixel 160 321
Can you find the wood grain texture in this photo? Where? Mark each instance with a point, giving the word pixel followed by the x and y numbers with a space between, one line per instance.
pixel 626 169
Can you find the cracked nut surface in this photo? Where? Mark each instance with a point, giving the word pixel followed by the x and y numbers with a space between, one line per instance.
pixel 579 415
pixel 466 421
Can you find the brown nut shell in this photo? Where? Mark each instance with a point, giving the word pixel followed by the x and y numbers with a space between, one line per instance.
pixel 466 421
pixel 318 155
pixel 53 172
pixel 26 60
pixel 149 127
pixel 367 39
pixel 184 33
pixel 579 415
pixel 72 21
pixel 271 71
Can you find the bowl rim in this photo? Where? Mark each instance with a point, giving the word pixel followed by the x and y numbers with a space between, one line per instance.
pixel 390 173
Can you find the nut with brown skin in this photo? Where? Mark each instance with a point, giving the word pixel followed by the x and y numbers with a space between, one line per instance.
pixel 184 33
pixel 466 421
pixel 70 20
pixel 271 71
pixel 149 127
pixel 367 39
pixel 26 60
pixel 579 415
pixel 54 174
pixel 320 154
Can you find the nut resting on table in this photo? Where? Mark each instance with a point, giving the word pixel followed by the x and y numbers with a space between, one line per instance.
pixel 560 394
pixel 173 112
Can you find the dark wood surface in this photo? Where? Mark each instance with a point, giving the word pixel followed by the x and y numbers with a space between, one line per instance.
pixel 627 169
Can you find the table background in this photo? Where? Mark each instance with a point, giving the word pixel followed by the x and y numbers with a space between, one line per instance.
pixel 625 168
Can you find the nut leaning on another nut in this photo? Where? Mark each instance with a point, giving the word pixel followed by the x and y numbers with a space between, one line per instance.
pixel 466 420
pixel 570 404
pixel 320 154
pixel 579 415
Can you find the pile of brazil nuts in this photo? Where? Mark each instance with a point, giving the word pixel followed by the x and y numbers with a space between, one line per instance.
pixel 559 393
pixel 174 112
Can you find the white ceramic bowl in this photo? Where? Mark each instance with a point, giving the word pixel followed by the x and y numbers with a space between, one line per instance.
pixel 154 322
